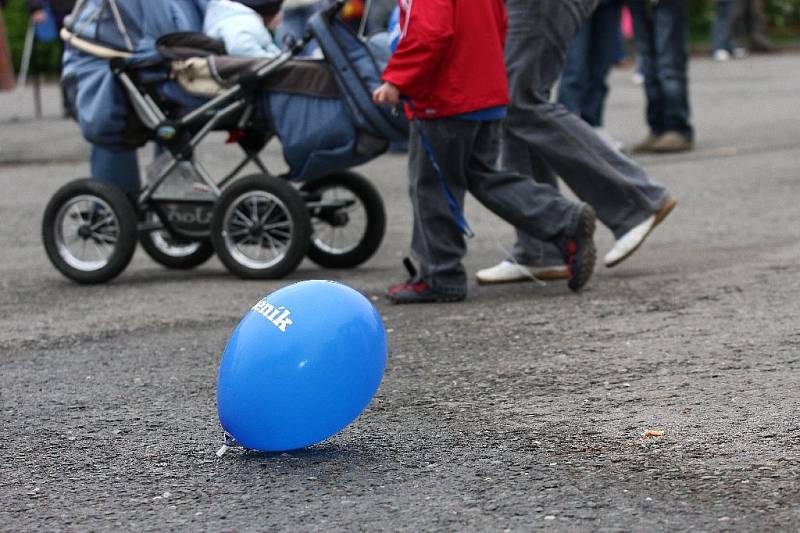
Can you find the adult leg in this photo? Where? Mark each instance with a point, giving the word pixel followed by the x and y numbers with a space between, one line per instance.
pixel 528 250
pixel 615 186
pixel 519 156
pixel 602 56
pixel 541 138
pixel 759 41
pixel 644 40
pixel 536 209
pixel 118 167
pixel 672 52
pixel 738 25
pixel 722 28
pixel 535 55
pixel 574 78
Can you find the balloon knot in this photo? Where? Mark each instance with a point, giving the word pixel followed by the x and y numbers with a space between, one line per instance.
pixel 229 443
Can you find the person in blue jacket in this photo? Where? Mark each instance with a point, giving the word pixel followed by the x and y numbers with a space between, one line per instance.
pixel 114 163
pixel 243 27
pixel 40 10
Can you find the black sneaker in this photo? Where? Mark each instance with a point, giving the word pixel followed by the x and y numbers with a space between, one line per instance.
pixel 417 291
pixel 578 250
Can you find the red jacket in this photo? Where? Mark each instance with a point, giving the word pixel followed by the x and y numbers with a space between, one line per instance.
pixel 450 57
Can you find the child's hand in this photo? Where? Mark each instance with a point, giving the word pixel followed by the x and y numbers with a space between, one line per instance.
pixel 386 94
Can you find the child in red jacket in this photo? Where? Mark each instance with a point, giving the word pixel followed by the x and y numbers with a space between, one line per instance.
pixel 449 63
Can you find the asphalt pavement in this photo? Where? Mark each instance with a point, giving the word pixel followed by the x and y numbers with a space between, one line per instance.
pixel 524 407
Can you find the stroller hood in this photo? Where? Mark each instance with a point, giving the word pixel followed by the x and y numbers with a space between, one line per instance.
pixel 358 74
pixel 320 136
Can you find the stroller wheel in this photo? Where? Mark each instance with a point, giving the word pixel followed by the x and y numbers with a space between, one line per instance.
pixel 89 231
pixel 347 217
pixel 260 227
pixel 172 252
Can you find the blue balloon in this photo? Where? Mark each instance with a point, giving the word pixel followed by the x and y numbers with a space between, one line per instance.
pixel 302 364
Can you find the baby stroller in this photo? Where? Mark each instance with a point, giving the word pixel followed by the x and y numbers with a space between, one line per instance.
pixel 120 68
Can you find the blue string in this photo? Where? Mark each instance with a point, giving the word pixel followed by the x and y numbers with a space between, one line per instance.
pixel 455 209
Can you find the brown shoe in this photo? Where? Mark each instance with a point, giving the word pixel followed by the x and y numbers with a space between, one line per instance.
pixel 671 142
pixel 646 145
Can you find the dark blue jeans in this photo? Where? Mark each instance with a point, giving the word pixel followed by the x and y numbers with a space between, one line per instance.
pixel 120 168
pixel 722 31
pixel 590 56
pixel 661 36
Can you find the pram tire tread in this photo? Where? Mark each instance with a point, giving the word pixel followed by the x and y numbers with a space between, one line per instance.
pixel 185 262
pixel 293 207
pixel 124 247
pixel 375 228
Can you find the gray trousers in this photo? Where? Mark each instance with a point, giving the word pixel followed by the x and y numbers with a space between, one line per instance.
pixel 544 140
pixel 467 152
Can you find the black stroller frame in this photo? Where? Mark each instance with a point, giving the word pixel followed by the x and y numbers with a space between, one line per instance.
pixel 260 225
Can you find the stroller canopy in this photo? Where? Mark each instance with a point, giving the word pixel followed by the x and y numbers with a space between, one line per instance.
pixel 133 25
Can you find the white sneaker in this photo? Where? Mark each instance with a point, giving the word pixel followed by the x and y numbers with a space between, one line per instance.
pixel 630 242
pixel 616 144
pixel 509 272
pixel 721 55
